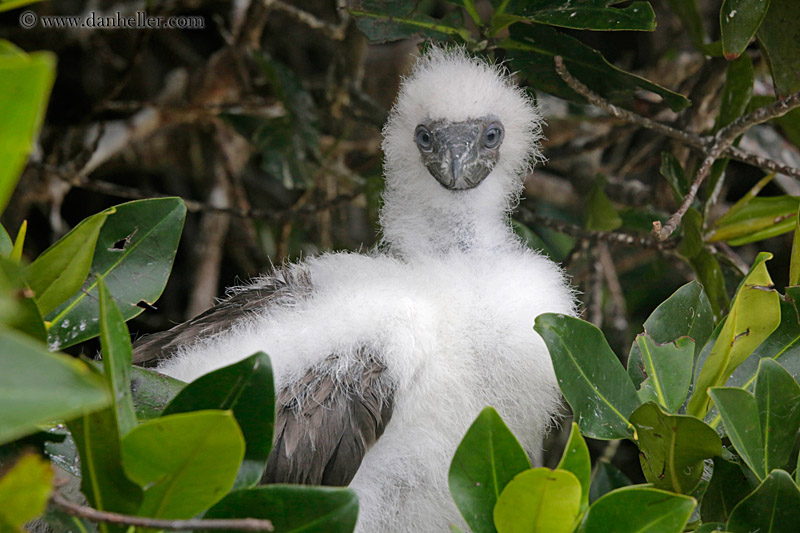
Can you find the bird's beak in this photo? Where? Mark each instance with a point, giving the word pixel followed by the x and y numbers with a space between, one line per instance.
pixel 456 160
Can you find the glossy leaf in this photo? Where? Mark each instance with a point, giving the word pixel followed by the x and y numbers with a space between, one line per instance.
pixel 794 261
pixel 24 91
pixel 710 275
pixel 600 214
pixel 19 242
pixel 779 39
pixel 293 508
pixel 761 218
pixel 6 245
pixel 60 270
pixel 727 488
pixel 487 458
pixel 591 377
pixel 774 507
pixel 384 20
pixel 607 477
pixel 739 412
pixel 531 47
pixel 738 88
pixel 591 15
pixel 17 308
pixel 778 398
pixel 186 462
pixel 24 491
pixel 673 172
pixel 134 255
pixel 576 460
pixel 755 314
pixel 248 390
pixel 668 368
pixel 686 313
pixel 640 510
pixel 739 20
pixel 37 386
pixel 152 392
pixel 673 447
pixel 539 500
pixel 115 342
pixel 103 480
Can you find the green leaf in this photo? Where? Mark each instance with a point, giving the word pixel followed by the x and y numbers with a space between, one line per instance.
pixel 24 491
pixel 779 39
pixel 640 510
pixel 5 5
pixel 739 411
pixel 384 20
pixel 686 313
pixel 293 508
pixel 739 20
pixel 673 447
pixel 17 309
pixel 710 275
pixel 186 462
pixel 668 371
pixel 37 386
pixel 691 243
pixel 152 392
pixel 778 396
pixel 531 48
pixel 576 459
pixel 600 214
pixel 755 314
pixel 607 477
pixel 692 20
pixel 539 500
pixel 115 342
pixel 60 270
pixel 16 252
pixel 24 90
pixel 487 458
pixel 738 87
pixel 727 488
pixel 5 242
pixel 248 390
pixel 794 264
pixel 591 15
pixel 103 480
pixel 774 507
pixel 137 243
pixel 673 172
pixel 591 377
pixel 762 217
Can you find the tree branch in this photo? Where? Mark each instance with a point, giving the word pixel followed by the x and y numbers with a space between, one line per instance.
pixel 93 515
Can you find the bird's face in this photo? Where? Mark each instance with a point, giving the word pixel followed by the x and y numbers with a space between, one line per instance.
pixel 460 154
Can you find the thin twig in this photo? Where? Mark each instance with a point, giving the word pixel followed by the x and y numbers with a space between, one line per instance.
pixel 335 33
pixel 93 515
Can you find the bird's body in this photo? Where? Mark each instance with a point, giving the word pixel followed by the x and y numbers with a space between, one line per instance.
pixel 383 360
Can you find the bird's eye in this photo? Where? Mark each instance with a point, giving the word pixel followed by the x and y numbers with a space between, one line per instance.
pixel 493 136
pixel 423 138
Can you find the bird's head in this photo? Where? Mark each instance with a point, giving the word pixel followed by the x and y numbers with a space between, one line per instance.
pixel 460 122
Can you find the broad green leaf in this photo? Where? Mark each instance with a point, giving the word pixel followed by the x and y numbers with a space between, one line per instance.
pixel 607 477
pixel 487 458
pixel 794 264
pixel 738 87
pixel 539 500
pixel 591 15
pixel 778 398
pixel 60 270
pixel 134 255
pixel 591 377
pixel 576 459
pixel 17 308
pixel 779 39
pixel 727 488
pixel 739 20
pixel 152 392
pixel 710 275
pixel 531 47
pixel 686 313
pixel 760 218
pixel 691 243
pixel 600 214
pixel 248 390
pixel 186 462
pixel 293 508
pixel 673 447
pixel 24 491
pixel 385 20
pixel 739 411
pixel 692 20
pixel 772 508
pixel 668 371
pixel 673 172
pixel 638 509
pixel 103 480
pixel 115 342
pixel 25 83
pixel 5 242
pixel 37 386
pixel 755 314
pixel 19 242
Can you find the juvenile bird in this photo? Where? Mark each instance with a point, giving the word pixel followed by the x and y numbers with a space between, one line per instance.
pixel 382 360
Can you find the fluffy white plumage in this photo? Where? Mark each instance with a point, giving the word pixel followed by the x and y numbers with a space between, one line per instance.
pixel 447 303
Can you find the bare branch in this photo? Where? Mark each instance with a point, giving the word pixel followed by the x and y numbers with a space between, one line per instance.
pixel 93 515
pixel 335 33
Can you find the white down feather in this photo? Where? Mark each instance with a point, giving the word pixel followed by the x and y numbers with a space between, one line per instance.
pixel 448 302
